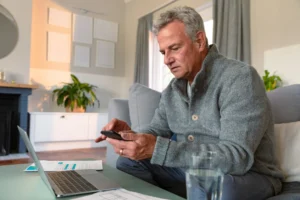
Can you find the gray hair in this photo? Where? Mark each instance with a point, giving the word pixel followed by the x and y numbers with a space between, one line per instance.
pixel 188 16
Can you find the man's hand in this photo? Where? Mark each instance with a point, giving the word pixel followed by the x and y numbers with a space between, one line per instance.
pixel 138 147
pixel 114 124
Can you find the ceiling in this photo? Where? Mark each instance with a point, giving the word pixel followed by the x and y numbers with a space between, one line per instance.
pixel 98 7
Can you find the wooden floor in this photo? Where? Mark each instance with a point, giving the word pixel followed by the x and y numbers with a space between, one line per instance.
pixel 74 154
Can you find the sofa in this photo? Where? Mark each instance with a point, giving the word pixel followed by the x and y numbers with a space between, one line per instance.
pixel 139 109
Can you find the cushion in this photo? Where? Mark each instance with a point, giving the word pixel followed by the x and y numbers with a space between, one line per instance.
pixel 285 103
pixel 142 103
pixel 118 108
pixel 287 138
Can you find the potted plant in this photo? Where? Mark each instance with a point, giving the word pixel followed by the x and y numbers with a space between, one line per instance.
pixel 75 96
pixel 271 82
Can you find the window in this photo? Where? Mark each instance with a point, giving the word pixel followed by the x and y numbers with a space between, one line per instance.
pixel 159 74
pixel 206 13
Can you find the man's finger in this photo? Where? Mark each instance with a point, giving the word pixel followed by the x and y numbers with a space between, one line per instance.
pixel 119 144
pixel 101 138
pixel 128 135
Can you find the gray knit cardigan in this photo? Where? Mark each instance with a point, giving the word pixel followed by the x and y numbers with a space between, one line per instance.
pixel 228 113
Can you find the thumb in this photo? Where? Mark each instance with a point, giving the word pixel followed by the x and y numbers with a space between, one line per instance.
pixel 128 135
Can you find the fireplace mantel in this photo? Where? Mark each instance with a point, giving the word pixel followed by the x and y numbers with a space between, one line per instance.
pixel 18 85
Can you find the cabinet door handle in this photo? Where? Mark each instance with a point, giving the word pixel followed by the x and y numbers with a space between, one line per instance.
pixel 62 116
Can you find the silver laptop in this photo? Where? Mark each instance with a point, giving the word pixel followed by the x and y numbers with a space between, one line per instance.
pixel 68 183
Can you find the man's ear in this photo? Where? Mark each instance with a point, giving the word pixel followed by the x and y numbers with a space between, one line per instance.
pixel 201 40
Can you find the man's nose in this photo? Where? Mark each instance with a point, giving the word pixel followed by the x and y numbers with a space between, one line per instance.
pixel 168 59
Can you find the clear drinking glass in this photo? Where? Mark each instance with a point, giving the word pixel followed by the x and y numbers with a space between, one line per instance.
pixel 204 179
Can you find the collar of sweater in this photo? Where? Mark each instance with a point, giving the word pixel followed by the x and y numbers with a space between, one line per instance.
pixel 180 85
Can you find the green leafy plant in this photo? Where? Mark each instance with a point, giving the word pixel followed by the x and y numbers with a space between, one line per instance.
pixel 271 82
pixel 75 95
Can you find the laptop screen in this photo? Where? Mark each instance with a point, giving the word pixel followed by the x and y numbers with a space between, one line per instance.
pixel 35 158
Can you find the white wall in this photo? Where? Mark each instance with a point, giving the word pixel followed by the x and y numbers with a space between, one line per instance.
pixel 17 63
pixel 41 99
pixel 284 62
pixel 275 31
pixel 274 25
pixel 109 86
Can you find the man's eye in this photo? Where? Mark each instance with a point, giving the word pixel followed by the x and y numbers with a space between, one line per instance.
pixel 175 48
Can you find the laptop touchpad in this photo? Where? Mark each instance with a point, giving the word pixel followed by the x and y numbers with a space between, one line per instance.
pixel 98 179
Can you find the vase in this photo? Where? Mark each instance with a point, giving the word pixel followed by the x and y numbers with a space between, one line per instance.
pixel 76 109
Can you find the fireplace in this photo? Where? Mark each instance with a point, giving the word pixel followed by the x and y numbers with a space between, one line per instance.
pixel 9 139
pixel 13 112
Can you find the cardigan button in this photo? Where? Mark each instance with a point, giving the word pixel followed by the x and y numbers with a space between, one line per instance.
pixel 194 117
pixel 191 138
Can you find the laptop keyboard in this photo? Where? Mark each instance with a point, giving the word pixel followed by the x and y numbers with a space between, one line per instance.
pixel 70 182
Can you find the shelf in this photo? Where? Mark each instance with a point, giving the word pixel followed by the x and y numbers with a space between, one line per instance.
pixel 18 85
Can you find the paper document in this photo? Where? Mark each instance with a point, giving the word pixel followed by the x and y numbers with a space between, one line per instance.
pixel 67 165
pixel 121 194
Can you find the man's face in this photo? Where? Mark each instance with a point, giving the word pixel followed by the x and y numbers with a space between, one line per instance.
pixel 181 54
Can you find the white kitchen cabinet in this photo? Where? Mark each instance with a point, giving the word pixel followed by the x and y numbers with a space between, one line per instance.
pixel 57 131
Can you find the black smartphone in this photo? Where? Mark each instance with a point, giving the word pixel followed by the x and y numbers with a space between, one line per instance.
pixel 112 134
